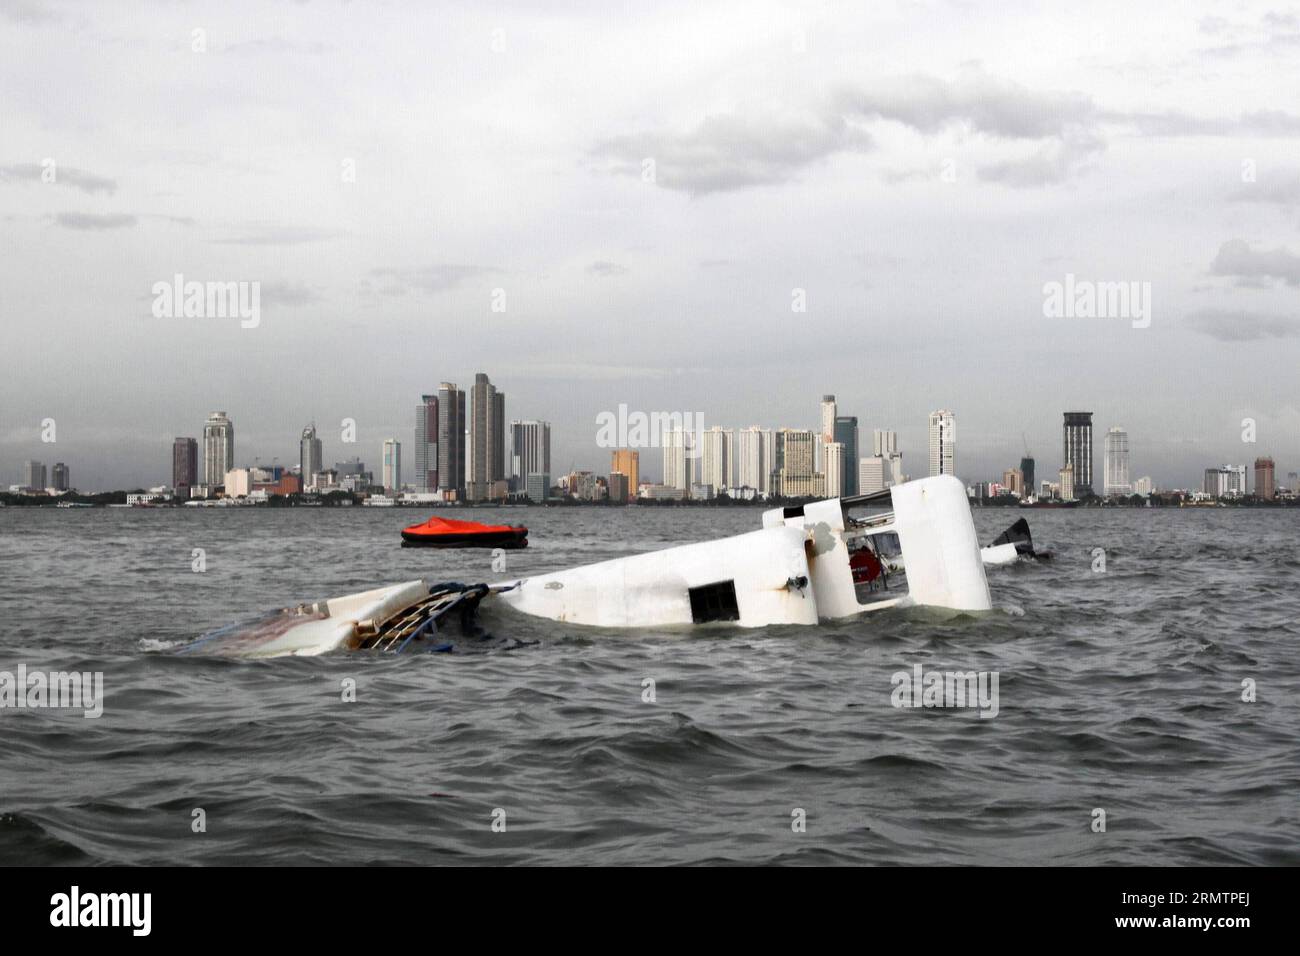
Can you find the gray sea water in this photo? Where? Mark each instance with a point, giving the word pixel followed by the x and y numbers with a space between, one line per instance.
pixel 1119 690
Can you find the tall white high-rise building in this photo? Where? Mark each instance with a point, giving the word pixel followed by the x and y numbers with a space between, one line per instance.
pixel 754 451
pixel 833 468
pixel 678 447
pixel 943 443
pixel 1116 463
pixel 826 432
pixel 714 464
pixel 310 456
pixel 391 464
pixel 218 448
pixel 729 450
pixel 884 442
pixel 829 411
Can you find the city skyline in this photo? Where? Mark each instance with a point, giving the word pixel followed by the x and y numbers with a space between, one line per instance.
pixel 219 429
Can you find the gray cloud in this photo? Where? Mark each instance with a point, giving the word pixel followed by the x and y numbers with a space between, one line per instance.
pixel 278 236
pixel 289 295
pixel 606 269
pixel 1275 33
pixel 727 152
pixel 439 277
pixel 1054 162
pixel 93 221
pixel 977 101
pixel 1175 123
pixel 1227 326
pixel 1237 258
pixel 63 176
pixel 1280 190
pixel 277 45
pixel 28 12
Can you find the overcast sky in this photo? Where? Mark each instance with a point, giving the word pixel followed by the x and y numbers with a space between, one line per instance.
pixel 920 170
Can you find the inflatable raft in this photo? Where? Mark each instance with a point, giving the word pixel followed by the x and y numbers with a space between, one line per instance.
pixel 452 533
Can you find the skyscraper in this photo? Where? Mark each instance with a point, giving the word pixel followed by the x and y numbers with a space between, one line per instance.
pixel 795 457
pixel 715 464
pixel 60 479
pixel 753 468
pixel 1265 488
pixel 185 466
pixel 625 461
pixel 1027 470
pixel 530 452
pixel 1226 481
pixel 1077 436
pixel 678 448
pixel 846 433
pixel 1116 463
pixel 391 465
pixel 487 439
pixel 833 457
pixel 218 448
pixel 826 433
pixel 34 475
pixel 1068 488
pixel 943 443
pixel 310 456
pixel 451 441
pixel 426 444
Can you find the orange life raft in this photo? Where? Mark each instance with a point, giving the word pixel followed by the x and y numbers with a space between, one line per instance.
pixel 451 533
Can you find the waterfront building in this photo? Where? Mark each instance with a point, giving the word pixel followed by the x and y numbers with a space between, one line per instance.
pixel 1116 463
pixel 1265 487
pixel 943 443
pixel 33 477
pixel 311 455
pixel 529 450
pixel 833 456
pixel 1027 471
pixel 754 450
pixel 1076 434
pixel 678 458
pixel 426 445
pixel 618 487
pixel 185 466
pixel 846 433
pixel 218 448
pixel 486 438
pixel 715 463
pixel 451 441
pixel 390 468
pixel 537 486
pixel 626 462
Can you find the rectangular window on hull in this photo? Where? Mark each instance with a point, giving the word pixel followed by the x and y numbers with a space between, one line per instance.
pixel 714 602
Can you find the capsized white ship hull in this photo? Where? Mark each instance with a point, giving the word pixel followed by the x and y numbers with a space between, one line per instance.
pixel 797 570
